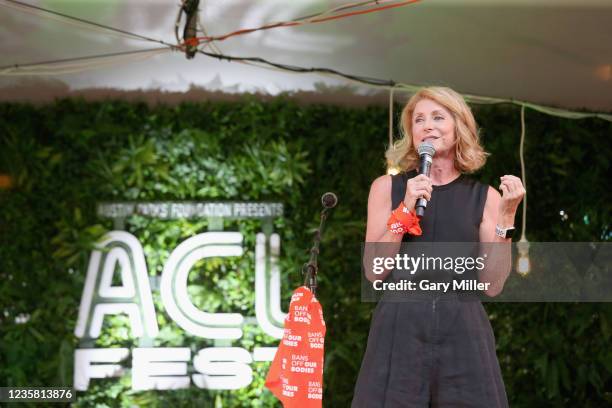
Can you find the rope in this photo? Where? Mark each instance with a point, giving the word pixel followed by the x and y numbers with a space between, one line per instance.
pixel 523 175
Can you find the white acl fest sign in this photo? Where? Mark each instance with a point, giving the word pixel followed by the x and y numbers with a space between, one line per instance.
pixel 164 368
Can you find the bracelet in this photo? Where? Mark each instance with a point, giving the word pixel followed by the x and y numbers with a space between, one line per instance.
pixel 402 221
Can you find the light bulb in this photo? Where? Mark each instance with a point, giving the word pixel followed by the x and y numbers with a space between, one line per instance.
pixel 523 267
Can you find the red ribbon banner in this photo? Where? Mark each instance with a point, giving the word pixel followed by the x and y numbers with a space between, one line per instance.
pixel 296 374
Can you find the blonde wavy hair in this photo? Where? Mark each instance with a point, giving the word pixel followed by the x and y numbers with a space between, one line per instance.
pixel 469 154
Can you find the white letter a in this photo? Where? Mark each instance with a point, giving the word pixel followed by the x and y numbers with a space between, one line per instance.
pixel 118 249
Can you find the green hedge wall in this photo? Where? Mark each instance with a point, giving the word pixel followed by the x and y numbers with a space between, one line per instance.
pixel 67 156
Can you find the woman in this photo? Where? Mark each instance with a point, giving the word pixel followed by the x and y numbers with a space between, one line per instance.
pixel 439 351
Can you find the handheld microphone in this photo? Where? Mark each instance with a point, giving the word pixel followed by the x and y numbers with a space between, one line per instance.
pixel 426 153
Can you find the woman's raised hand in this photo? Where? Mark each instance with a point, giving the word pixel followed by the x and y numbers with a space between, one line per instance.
pixel 512 194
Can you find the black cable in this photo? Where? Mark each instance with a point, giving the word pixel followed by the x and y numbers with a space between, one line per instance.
pixel 81 20
pixel 294 68
pixel 118 30
pixel 87 57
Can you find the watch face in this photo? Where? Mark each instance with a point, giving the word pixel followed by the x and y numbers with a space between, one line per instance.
pixel 504 233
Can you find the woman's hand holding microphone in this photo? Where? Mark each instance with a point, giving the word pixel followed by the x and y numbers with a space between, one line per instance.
pixel 417 187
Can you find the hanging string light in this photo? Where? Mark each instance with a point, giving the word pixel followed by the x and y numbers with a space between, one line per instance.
pixel 523 264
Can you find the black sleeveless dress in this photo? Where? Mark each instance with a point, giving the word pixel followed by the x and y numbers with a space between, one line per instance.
pixel 440 351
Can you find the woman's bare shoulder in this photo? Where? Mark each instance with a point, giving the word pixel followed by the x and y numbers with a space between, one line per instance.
pixel 381 184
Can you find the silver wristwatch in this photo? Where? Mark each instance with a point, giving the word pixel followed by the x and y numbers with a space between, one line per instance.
pixel 504 232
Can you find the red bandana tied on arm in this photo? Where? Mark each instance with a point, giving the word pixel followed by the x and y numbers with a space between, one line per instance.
pixel 296 374
pixel 402 221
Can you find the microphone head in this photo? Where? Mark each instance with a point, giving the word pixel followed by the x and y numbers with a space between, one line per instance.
pixel 426 148
pixel 329 200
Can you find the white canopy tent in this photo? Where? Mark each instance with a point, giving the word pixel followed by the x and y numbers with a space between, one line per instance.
pixel 549 52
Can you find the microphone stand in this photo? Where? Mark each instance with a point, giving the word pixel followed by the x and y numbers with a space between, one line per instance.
pixel 310 269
